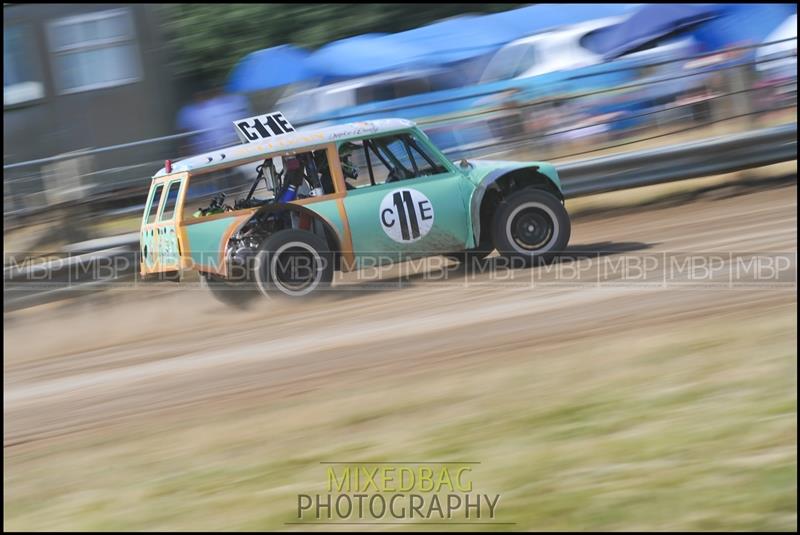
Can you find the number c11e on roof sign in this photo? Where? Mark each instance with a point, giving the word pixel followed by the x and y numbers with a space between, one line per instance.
pixel 262 127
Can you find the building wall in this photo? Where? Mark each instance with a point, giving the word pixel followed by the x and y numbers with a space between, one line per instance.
pixel 60 121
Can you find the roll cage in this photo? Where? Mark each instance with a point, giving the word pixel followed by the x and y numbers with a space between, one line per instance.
pixel 381 148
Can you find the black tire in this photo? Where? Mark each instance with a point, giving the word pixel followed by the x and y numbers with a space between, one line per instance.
pixel 531 225
pixel 293 263
pixel 237 295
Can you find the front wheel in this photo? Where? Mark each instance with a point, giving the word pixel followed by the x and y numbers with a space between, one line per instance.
pixel 531 225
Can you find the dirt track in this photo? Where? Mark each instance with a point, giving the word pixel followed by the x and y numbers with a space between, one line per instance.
pixel 94 364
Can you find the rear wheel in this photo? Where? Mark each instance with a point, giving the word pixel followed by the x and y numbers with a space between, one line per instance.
pixel 294 263
pixel 237 295
pixel 531 225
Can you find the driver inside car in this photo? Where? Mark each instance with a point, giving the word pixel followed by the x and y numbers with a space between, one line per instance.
pixel 294 179
pixel 349 170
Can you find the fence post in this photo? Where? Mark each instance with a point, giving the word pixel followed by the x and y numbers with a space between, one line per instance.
pixel 64 189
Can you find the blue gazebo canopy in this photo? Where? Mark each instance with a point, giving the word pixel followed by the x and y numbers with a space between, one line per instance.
pixel 648 23
pixel 541 17
pixel 448 41
pixel 363 55
pixel 454 39
pixel 743 24
pixel 268 68
pixel 468 36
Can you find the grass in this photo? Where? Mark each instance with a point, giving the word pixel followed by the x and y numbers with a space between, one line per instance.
pixel 687 430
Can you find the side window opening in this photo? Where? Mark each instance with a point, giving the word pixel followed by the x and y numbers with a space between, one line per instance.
pixel 306 173
pixel 284 177
pixel 317 162
pixel 393 150
pixel 388 159
pixel 427 162
pixel 156 197
pixel 233 182
pixel 368 167
pixel 171 200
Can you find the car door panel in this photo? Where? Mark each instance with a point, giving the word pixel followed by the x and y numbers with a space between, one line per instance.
pixel 159 236
pixel 148 237
pixel 408 218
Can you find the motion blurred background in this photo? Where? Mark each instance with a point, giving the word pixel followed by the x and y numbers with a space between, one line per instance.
pixel 96 97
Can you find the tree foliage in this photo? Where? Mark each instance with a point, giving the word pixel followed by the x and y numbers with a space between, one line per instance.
pixel 206 40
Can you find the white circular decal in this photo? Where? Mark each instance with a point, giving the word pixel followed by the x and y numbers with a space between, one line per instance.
pixel 406 215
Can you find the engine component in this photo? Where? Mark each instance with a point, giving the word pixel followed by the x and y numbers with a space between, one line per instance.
pixel 216 206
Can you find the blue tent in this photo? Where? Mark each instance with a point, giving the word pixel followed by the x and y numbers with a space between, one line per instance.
pixel 743 24
pixel 363 55
pixel 268 68
pixel 540 17
pixel 445 42
pixel 469 36
pixel 450 40
pixel 650 22
pixel 455 39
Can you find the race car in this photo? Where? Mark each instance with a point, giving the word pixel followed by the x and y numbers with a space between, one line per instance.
pixel 287 208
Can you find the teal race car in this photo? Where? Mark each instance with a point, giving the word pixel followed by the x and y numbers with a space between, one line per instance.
pixel 283 211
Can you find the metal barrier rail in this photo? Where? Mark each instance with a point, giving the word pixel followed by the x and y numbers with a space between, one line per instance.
pixel 518 143
pixel 724 154
pixel 91 152
pixel 717 155
pixel 512 143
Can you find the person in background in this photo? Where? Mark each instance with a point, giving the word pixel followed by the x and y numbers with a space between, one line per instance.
pixel 214 111
pixel 212 114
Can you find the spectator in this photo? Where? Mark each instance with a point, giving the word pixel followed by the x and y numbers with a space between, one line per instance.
pixel 212 109
pixel 215 111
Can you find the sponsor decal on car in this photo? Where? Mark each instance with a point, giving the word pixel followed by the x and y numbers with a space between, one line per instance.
pixel 406 215
pixel 264 126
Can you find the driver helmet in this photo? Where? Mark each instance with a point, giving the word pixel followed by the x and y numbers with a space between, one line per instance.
pixel 349 169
